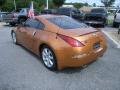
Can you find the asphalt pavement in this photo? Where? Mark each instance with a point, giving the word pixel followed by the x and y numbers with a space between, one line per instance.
pixel 22 70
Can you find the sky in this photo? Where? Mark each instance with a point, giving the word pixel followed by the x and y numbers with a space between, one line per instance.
pixel 98 2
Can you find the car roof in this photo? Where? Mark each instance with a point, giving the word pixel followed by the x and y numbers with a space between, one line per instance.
pixel 99 7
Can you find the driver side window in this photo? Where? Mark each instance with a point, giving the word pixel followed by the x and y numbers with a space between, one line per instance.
pixel 27 23
pixel 34 24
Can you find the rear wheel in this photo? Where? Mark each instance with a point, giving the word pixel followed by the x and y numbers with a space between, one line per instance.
pixel 48 58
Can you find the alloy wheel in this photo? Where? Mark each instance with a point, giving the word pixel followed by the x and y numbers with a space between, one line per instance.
pixel 48 57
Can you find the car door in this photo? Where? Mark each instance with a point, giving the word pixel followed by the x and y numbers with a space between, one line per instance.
pixel 118 16
pixel 32 26
pixel 29 31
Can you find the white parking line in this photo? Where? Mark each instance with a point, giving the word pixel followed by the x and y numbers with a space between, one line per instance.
pixel 118 45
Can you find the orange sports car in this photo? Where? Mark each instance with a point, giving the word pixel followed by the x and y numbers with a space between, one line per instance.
pixel 60 41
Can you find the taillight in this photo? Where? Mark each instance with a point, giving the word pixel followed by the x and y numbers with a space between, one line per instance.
pixel 73 42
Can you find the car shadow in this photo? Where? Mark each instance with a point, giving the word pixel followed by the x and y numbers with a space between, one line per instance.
pixel 69 70
pixel 72 70
pixel 31 53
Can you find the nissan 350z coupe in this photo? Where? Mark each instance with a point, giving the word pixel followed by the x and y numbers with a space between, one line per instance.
pixel 60 41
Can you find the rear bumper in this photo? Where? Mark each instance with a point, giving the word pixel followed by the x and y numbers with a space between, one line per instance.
pixel 94 22
pixel 117 20
pixel 78 58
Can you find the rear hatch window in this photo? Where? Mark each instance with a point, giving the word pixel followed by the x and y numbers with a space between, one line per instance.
pixel 66 22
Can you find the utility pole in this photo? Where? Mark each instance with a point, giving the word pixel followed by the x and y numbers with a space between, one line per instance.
pixel 15 4
pixel 47 4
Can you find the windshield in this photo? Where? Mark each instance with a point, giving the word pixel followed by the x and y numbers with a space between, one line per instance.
pixel 99 10
pixel 66 22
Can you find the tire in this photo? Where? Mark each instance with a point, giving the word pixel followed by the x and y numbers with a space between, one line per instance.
pixel 14 39
pixel 12 24
pixel 115 24
pixel 48 58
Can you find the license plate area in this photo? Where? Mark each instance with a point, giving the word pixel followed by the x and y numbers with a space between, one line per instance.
pixel 96 45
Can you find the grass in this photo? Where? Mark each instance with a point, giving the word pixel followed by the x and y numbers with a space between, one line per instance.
pixel 109 21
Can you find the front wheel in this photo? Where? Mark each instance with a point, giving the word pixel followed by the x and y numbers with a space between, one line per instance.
pixel 48 58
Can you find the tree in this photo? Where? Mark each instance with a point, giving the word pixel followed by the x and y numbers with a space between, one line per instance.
pixel 9 4
pixel 78 5
pixel 86 4
pixel 58 3
pixel 108 3
pixel 2 2
pixel 51 4
pixel 94 4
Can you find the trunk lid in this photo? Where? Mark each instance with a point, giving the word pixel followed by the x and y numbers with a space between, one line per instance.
pixel 78 31
pixel 90 37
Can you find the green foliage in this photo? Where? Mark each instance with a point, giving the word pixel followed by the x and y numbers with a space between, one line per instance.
pixel 86 4
pixel 8 5
pixel 94 4
pixel 78 5
pixel 108 3
pixel 58 3
pixel 51 4
pixel 2 2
